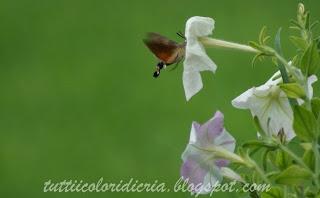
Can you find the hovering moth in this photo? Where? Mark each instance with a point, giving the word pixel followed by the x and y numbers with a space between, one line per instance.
pixel 167 51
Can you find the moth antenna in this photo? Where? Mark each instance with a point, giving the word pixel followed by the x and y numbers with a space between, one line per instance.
pixel 181 35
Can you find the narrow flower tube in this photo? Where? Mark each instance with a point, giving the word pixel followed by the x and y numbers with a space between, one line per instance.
pixel 211 42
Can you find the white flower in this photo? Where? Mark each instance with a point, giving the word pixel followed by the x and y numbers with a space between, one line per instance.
pixel 196 59
pixel 270 104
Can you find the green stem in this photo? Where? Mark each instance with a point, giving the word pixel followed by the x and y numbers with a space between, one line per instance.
pixel 295 157
pixel 317 163
pixel 262 174
pixel 223 153
pixel 220 152
pixel 283 66
pixel 285 191
pixel 301 163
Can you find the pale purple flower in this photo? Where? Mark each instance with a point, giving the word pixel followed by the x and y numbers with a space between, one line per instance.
pixel 201 167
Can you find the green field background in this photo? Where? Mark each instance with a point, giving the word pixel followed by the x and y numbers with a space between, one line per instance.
pixel 78 100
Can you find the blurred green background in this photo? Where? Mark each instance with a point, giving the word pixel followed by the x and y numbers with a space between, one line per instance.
pixel 78 100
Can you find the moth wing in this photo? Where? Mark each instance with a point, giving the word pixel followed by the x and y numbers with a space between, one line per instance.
pixel 162 47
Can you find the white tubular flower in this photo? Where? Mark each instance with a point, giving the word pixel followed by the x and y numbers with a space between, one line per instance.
pixel 196 59
pixel 270 104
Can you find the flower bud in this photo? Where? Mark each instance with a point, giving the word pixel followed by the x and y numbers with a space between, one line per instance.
pixel 301 9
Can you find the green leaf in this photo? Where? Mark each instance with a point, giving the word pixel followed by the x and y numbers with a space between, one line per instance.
pixel 293 175
pixel 309 193
pixel 307 27
pixel 293 90
pixel 310 61
pixel 282 160
pixel 256 58
pixel 256 46
pixel 259 144
pixel 304 124
pixel 299 42
pixel 306 145
pixel 262 35
pixel 272 174
pixel 309 159
pixel 265 159
pixel 277 42
pixel 278 48
pixel 258 125
pixel 296 24
pixel 296 59
pixel 314 24
pixel 315 103
pixel 275 192
pixel 279 159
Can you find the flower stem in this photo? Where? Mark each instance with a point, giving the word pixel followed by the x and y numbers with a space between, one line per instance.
pixel 254 165
pixel 248 162
pixel 301 163
pixel 221 152
pixel 295 157
pixel 211 42
pixel 283 66
pixel 317 164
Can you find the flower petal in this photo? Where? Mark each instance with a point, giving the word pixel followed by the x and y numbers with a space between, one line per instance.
pixel 212 178
pixel 221 162
pixel 192 83
pixel 207 132
pixel 229 173
pixel 311 79
pixel 193 171
pixel 281 117
pixel 196 59
pixel 241 101
pixel 194 130
pixel 215 126
pixel 200 174
pixel 275 79
pixel 200 166
pixel 226 141
pixel 198 26
pixel 270 104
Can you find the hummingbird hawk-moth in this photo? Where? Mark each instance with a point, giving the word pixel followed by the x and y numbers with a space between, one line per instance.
pixel 167 51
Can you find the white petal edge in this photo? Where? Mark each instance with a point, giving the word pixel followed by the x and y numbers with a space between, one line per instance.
pixel 198 26
pixel 241 102
pixel 196 59
pixel 312 79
